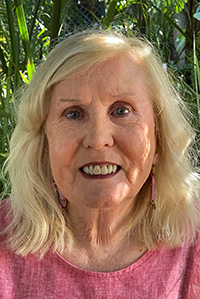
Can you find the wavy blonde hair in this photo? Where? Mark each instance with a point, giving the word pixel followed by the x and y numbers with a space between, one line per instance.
pixel 38 222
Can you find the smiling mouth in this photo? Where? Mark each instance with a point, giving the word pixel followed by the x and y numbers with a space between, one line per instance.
pixel 100 169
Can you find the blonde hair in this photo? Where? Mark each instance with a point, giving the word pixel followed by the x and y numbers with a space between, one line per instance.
pixel 38 222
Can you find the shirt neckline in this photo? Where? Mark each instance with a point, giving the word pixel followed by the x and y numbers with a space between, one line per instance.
pixel 127 269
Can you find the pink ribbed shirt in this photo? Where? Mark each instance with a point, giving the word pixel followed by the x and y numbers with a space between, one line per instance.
pixel 164 273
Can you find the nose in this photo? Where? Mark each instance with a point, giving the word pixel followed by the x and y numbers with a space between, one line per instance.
pixel 98 135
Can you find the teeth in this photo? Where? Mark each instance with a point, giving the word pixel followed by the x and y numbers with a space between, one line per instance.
pixel 86 170
pixel 90 169
pixel 114 168
pixel 104 169
pixel 97 169
pixel 110 168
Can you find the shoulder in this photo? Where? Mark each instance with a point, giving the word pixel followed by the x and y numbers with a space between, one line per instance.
pixel 194 249
pixel 191 277
pixel 194 252
pixel 194 270
pixel 5 212
pixel 5 216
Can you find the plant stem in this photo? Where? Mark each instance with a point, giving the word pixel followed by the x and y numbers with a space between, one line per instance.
pixel 197 75
pixel 55 23
pixel 25 37
pixel 6 112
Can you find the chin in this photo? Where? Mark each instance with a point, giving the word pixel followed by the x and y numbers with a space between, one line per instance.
pixel 102 202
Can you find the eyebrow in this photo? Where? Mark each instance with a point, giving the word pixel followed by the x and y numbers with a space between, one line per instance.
pixel 70 100
pixel 123 94
pixel 114 96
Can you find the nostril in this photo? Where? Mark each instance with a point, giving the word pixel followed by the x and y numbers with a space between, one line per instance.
pixel 98 139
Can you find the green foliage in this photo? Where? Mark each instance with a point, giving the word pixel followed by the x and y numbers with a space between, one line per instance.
pixel 28 30
pixel 197 16
pixel 24 37
pixel 110 14
pixel 197 76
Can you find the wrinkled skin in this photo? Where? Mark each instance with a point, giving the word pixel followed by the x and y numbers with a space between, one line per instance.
pixel 103 116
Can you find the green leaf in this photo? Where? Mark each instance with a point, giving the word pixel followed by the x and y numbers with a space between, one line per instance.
pixel 37 5
pixel 24 78
pixel 55 23
pixel 25 37
pixel 13 38
pixel 3 61
pixel 197 16
pixel 174 24
pixel 110 14
pixel 197 75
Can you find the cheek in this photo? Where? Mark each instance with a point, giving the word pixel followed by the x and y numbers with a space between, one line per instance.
pixel 142 153
pixel 55 157
pixel 61 161
pixel 61 149
pixel 140 143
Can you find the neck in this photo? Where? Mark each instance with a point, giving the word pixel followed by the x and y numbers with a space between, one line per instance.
pixel 101 242
pixel 98 227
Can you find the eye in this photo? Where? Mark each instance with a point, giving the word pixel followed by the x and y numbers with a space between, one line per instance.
pixel 73 114
pixel 121 111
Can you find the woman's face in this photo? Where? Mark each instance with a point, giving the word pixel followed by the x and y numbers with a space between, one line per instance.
pixel 101 134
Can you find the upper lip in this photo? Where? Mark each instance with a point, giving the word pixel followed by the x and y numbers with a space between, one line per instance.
pixel 100 163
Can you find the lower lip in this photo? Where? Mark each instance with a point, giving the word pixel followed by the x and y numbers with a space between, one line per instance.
pixel 101 177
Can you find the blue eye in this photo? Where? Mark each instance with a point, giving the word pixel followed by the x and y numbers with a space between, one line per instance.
pixel 121 111
pixel 73 114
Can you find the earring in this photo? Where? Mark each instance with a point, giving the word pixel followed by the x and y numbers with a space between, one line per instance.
pixel 153 183
pixel 62 200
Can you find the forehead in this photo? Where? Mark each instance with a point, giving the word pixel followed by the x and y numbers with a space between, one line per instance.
pixel 118 78
pixel 116 74
pixel 123 63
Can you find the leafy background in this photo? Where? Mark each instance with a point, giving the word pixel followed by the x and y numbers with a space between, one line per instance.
pixel 29 29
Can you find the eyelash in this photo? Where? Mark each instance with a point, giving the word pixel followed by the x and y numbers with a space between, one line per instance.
pixel 81 113
pixel 121 108
pixel 70 112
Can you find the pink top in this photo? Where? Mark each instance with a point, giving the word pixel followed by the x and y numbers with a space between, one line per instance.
pixel 165 273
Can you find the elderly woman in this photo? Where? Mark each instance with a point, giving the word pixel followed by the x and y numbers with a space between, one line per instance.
pixel 104 200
